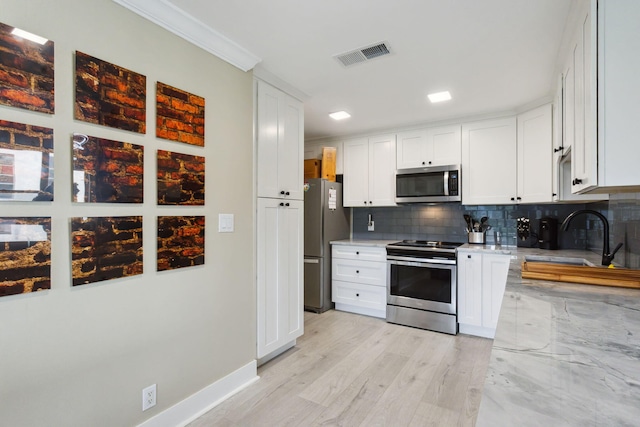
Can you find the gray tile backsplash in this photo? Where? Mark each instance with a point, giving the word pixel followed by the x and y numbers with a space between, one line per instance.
pixel 444 221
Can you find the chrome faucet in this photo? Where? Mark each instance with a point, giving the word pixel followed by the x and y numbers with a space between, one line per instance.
pixel 606 256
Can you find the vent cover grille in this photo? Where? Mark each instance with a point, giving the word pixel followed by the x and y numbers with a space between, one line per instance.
pixel 362 55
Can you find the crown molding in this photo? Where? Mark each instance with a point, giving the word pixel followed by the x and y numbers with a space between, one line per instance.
pixel 175 20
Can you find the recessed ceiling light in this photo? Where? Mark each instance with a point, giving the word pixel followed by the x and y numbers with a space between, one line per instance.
pixel 439 96
pixel 29 36
pixel 340 115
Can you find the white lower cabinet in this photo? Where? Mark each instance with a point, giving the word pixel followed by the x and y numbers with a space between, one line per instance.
pixel 280 274
pixel 358 279
pixel 482 278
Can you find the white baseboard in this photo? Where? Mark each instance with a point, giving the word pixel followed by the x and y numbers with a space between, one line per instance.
pixel 196 405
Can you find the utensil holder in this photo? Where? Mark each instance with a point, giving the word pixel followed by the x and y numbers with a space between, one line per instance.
pixel 477 237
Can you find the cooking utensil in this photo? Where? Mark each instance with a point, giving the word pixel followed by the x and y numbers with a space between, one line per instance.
pixel 483 224
pixel 469 221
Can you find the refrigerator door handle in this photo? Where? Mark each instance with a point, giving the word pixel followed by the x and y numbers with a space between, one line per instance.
pixel 311 261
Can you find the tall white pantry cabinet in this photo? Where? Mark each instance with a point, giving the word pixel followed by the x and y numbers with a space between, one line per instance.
pixel 280 220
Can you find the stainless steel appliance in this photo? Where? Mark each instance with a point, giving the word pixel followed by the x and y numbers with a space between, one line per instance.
pixel 421 285
pixel 430 184
pixel 324 220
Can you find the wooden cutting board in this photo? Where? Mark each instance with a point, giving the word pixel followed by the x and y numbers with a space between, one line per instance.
pixel 621 277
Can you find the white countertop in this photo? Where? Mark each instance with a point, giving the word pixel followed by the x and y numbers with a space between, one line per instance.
pixel 363 242
pixel 564 354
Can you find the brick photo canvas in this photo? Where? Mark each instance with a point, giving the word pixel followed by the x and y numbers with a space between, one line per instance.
pixel 106 171
pixel 105 248
pixel 109 95
pixel 25 255
pixel 26 162
pixel 179 115
pixel 180 242
pixel 180 179
pixel 26 72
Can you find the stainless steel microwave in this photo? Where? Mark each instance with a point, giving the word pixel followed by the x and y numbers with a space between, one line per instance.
pixel 430 184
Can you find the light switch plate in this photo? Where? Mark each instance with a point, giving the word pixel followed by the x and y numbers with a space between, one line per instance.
pixel 225 223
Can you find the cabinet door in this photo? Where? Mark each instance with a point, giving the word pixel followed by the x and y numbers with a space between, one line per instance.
pixel 356 173
pixel 489 162
pixel 584 161
pixel 267 129
pixel 535 152
pixel 470 288
pixel 280 127
pixel 568 101
pixel 411 151
pixel 291 264
pixel 558 149
pixel 444 144
pixel 290 148
pixel 495 269
pixel 618 89
pixel 280 302
pixel 382 170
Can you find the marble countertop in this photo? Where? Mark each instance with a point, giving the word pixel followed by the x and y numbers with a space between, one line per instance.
pixel 564 354
pixel 363 242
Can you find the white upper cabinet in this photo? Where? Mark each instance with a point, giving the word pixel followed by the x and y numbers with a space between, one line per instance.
pixel 618 89
pixel 428 147
pixel 535 153
pixel 489 162
pixel 508 161
pixel 601 119
pixel 584 162
pixel 369 171
pixel 279 127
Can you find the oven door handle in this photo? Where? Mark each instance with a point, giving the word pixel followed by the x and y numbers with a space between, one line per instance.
pixel 418 262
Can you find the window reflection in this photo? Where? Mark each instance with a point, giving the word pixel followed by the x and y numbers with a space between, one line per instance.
pixel 26 175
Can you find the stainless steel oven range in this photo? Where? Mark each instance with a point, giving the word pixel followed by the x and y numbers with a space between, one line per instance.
pixel 421 285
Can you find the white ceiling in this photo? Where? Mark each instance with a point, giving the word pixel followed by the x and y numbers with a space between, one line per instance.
pixel 492 55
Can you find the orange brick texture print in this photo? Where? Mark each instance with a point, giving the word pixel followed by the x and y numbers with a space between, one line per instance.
pixel 25 255
pixel 180 242
pixel 179 115
pixel 110 95
pixel 105 248
pixel 107 171
pixel 26 73
pixel 180 179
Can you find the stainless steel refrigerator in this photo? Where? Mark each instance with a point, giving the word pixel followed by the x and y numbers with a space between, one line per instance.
pixel 324 220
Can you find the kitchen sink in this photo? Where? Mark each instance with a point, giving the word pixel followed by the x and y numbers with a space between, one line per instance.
pixel 578 270
pixel 559 260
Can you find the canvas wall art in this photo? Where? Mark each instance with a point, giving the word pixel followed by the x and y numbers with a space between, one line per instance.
pixel 26 162
pixel 105 248
pixel 25 255
pixel 106 171
pixel 26 71
pixel 180 242
pixel 180 179
pixel 179 115
pixel 110 95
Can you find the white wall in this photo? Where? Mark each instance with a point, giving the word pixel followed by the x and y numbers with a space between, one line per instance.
pixel 81 356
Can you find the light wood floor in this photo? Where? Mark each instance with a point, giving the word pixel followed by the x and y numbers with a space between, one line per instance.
pixel 352 370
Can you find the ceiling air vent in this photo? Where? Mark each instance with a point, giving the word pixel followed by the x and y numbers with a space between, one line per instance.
pixel 364 54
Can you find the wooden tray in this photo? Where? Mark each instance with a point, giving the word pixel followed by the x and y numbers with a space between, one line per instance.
pixel 620 277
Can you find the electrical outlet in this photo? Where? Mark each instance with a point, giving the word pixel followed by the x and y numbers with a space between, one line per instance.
pixel 149 397
pixel 371 226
